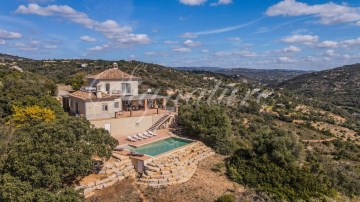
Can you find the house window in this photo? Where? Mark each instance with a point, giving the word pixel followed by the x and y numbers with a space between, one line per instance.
pixel 116 104
pixel 126 87
pixel 107 87
pixel 71 103
pixel 105 107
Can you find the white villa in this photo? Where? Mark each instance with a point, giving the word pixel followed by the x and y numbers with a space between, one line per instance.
pixel 111 100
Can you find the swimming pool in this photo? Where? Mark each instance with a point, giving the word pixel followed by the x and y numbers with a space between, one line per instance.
pixel 161 146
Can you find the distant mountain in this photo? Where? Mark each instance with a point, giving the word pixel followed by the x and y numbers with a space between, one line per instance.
pixel 340 86
pixel 265 76
pixel 209 69
pixel 6 57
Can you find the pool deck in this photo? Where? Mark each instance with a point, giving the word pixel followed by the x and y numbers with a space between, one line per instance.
pixel 161 134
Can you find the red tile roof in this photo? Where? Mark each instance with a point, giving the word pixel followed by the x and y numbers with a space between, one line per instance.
pixel 92 96
pixel 113 74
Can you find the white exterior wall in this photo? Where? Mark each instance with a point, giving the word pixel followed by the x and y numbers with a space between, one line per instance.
pixel 94 110
pixel 116 85
pixel 82 108
pixel 127 126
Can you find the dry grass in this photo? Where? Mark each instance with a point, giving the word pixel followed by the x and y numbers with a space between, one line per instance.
pixel 207 184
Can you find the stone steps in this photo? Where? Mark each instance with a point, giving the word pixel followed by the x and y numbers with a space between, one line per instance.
pixel 159 122
pixel 117 168
pixel 175 168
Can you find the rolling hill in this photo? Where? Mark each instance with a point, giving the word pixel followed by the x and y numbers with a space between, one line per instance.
pixel 263 76
pixel 340 86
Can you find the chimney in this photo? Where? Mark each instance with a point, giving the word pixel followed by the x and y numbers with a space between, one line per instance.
pixel 98 91
pixel 115 65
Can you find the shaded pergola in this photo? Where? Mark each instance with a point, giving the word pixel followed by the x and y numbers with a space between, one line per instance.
pixel 143 102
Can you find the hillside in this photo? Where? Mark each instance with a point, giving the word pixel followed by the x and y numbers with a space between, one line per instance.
pixel 6 57
pixel 257 128
pixel 340 86
pixel 265 76
pixel 153 76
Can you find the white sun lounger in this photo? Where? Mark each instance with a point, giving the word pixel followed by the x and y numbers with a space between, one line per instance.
pixel 137 137
pixel 147 134
pixel 131 139
pixel 152 133
pixel 142 136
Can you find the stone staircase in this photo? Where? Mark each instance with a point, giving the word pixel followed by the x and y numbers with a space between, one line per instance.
pixel 117 168
pixel 160 122
pixel 175 168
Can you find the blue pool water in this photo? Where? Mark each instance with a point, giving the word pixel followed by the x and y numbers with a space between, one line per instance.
pixel 161 146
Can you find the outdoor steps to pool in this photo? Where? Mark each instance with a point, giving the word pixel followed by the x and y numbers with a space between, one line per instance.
pixel 117 168
pixel 159 122
pixel 176 168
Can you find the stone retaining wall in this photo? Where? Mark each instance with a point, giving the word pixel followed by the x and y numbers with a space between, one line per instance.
pixel 177 167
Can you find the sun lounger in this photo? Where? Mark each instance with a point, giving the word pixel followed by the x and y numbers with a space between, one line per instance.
pixel 131 139
pixel 137 137
pixel 147 134
pixel 142 136
pixel 152 133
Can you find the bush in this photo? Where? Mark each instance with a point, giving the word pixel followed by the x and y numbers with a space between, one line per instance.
pixel 209 124
pixel 226 198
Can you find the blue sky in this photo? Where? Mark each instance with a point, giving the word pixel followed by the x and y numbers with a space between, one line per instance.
pixel 289 34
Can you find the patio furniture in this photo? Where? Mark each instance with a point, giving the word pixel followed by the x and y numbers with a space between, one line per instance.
pixel 147 134
pixel 152 133
pixel 137 137
pixel 142 136
pixel 131 139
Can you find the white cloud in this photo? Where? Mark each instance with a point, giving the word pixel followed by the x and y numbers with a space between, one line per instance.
pixel 351 42
pixel 170 42
pixel 30 46
pixel 233 39
pixel 50 46
pixel 190 43
pixel 9 35
pixel 96 48
pixel 155 53
pixel 330 53
pixel 301 39
pixel 193 2
pixel 246 54
pixel 220 30
pixel 2 42
pixel 328 44
pixel 285 60
pixel 291 49
pixel 181 49
pixel 88 39
pixel 328 13
pixel 189 35
pixel 204 50
pixel 222 2
pixel 40 1
pixel 120 35
pixel 34 45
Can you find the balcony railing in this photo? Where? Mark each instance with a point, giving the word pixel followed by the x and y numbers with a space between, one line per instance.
pixel 88 88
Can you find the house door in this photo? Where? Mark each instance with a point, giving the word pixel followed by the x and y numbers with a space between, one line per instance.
pixel 107 127
pixel 77 108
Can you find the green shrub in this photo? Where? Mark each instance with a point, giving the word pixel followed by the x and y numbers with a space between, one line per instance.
pixel 226 198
